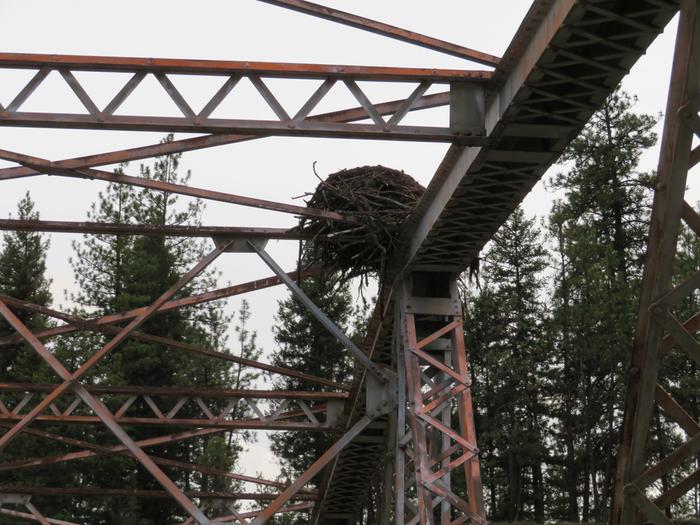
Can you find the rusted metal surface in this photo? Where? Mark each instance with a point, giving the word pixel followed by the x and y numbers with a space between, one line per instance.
pixel 100 450
pixel 243 515
pixel 168 230
pixel 98 408
pixel 31 517
pixel 119 178
pixel 383 29
pixel 537 109
pixel 91 452
pixel 163 391
pixel 210 141
pixel 141 493
pixel 437 385
pixel 545 96
pixel 102 324
pixel 301 123
pixel 313 470
pixel 231 67
pixel 182 302
pixel 202 422
pixel 320 316
pixel 250 127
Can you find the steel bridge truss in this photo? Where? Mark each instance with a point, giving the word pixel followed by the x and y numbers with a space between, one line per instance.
pixel 639 497
pixel 393 423
pixel 301 123
pixel 207 411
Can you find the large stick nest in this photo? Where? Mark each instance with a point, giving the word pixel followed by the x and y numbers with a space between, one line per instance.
pixel 380 198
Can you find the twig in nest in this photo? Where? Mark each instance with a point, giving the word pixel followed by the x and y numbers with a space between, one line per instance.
pixel 381 198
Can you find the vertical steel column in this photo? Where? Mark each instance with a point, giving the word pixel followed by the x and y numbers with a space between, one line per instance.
pixel 435 380
pixel 657 296
pixel 400 443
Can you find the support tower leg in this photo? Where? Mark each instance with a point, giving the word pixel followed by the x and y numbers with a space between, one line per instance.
pixel 435 421
pixel 657 327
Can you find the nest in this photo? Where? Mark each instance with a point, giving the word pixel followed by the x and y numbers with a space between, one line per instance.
pixel 380 198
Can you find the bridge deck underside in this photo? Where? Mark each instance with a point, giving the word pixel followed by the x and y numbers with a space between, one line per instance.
pixel 565 59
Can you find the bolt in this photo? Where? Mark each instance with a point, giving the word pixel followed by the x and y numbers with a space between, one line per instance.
pixel 632 490
pixel 657 310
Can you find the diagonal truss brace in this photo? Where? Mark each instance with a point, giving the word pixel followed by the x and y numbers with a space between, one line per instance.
pixel 383 29
pixel 313 470
pixel 322 318
pixel 32 515
pixel 52 168
pixel 103 324
pixel 71 382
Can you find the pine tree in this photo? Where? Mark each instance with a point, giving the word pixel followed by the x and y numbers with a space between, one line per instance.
pixel 23 276
pixel 305 345
pixel 599 230
pixel 504 324
pixel 118 273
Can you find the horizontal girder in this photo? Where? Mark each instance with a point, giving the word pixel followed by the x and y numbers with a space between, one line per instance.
pixel 231 67
pixel 143 493
pixel 178 391
pixel 167 230
pixel 204 120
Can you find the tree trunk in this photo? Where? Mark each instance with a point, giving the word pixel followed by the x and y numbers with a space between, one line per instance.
pixel 538 492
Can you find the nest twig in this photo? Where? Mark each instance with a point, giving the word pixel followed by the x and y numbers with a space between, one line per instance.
pixel 380 198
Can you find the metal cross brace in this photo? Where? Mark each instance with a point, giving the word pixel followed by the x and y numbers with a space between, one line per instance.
pixel 322 318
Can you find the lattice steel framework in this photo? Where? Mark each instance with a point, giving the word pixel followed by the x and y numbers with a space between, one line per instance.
pixel 434 384
pixel 393 422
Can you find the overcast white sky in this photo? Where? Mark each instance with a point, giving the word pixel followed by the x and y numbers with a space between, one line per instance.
pixel 272 168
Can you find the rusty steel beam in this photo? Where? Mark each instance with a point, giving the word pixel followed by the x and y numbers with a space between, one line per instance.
pixel 191 300
pixel 632 503
pixel 529 121
pixel 32 517
pixel 168 230
pixel 188 121
pixel 209 141
pixel 143 493
pixel 221 393
pixel 250 127
pixel 70 379
pixel 71 382
pixel 93 174
pixel 231 67
pixel 91 452
pixel 380 28
pixel 102 450
pixel 320 316
pixel 229 424
pixel 287 508
pixel 292 492
pixel 76 323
